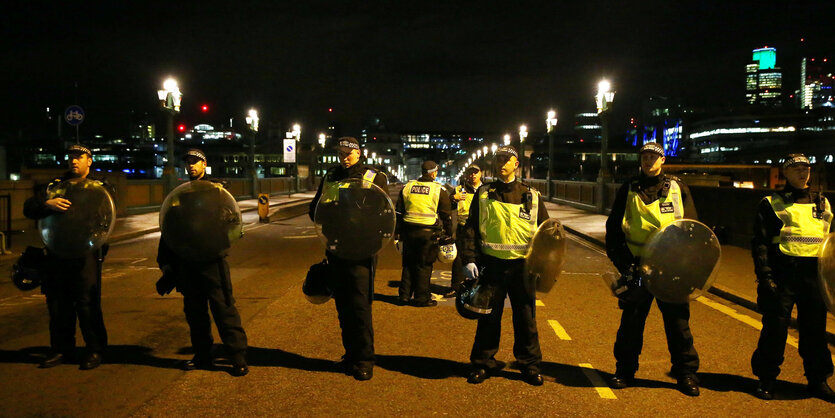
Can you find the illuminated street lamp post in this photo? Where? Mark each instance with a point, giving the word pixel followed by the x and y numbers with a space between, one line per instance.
pixel 604 98
pixel 322 139
pixel 170 99
pixel 297 135
pixel 252 123
pixel 523 133
pixel 507 139
pixel 551 124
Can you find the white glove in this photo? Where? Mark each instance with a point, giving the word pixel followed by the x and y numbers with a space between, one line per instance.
pixel 472 270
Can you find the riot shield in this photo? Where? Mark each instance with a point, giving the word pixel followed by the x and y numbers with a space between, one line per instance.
pixel 354 218
pixel 680 261
pixel 826 271
pixel 86 225
pixel 546 254
pixel 200 220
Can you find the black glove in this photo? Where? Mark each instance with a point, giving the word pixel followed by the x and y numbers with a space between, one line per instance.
pixel 166 283
pixel 767 283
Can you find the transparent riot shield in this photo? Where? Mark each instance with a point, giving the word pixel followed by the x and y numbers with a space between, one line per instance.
pixel 546 255
pixel 200 220
pixel 826 272
pixel 680 261
pixel 86 225
pixel 354 218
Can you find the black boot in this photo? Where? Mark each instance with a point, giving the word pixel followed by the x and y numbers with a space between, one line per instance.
pixel 821 390
pixel 765 390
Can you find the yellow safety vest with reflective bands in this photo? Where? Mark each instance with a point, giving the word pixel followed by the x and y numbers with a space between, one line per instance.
pixel 641 219
pixel 506 228
pixel 804 227
pixel 464 205
pixel 330 190
pixel 420 200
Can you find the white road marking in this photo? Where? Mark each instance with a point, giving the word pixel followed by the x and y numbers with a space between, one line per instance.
pixel 599 384
pixel 559 330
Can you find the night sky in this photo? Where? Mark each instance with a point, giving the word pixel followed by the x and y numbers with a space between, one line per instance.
pixel 475 66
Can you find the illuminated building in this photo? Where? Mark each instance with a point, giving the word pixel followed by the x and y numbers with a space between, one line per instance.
pixel 763 79
pixel 587 127
pixel 816 83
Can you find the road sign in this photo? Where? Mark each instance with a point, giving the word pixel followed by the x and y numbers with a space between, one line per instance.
pixel 289 150
pixel 74 115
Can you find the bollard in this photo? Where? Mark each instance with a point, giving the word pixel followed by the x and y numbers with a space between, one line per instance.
pixel 263 208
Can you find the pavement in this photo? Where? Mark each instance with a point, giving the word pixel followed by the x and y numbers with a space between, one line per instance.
pixel 735 282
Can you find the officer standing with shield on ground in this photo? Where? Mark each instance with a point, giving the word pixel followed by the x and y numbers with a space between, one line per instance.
pixel 463 198
pixel 352 281
pixel 424 215
pixel 503 218
pixel 643 205
pixel 72 285
pixel 789 229
pixel 206 285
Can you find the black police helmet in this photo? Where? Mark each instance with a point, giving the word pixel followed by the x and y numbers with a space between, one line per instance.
pixel 475 300
pixel 26 273
pixel 315 287
pixel 25 278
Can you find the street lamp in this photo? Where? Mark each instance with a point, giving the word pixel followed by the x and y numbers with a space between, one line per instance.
pixel 604 98
pixel 252 124
pixel 523 133
pixel 297 135
pixel 551 125
pixel 507 139
pixel 170 98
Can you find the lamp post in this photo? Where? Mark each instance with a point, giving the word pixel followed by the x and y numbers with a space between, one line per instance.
pixel 297 135
pixel 551 125
pixel 507 139
pixel 523 133
pixel 170 99
pixel 322 139
pixel 604 98
pixel 252 124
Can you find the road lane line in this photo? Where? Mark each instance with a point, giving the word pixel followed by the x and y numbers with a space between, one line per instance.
pixel 599 384
pixel 539 303
pixel 727 310
pixel 559 330
pixel 586 244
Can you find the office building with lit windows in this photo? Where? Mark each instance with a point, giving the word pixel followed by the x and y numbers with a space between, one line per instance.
pixel 817 79
pixel 764 79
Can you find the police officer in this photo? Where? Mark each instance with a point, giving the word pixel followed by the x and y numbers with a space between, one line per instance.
pixel 463 197
pixel 499 247
pixel 205 286
pixel 789 229
pixel 352 281
pixel 72 286
pixel 642 205
pixel 424 213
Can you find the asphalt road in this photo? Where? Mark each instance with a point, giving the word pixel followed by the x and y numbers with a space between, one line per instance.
pixel 422 352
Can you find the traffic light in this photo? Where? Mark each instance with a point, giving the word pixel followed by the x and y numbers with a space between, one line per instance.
pixel 204 108
pixel 181 127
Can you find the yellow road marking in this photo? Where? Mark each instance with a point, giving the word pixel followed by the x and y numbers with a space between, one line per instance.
pixel 559 329
pixel 727 310
pixel 539 303
pixel 599 384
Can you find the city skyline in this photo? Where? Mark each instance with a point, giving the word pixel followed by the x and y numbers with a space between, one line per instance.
pixel 453 67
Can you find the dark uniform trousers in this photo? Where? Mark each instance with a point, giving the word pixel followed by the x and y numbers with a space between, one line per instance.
pixel 72 290
pixel 458 274
pixel 207 286
pixel 507 277
pixel 630 338
pixel 419 254
pixel 800 287
pixel 353 290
